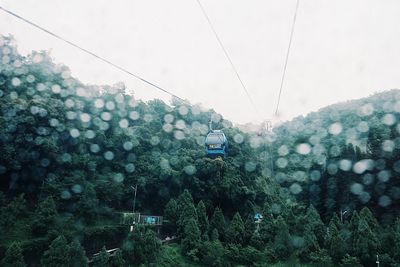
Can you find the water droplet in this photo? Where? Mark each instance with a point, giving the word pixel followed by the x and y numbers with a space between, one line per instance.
pixel 168 118
pixel 110 105
pixel 363 165
pixel 295 188
pixel 94 148
pixel 315 175
pixel 283 150
pixel 74 133
pixel 134 115
pixel 130 167
pixel 16 81
pixel 99 103
pixel 106 116
pixel 179 135
pixel 190 169
pixel 56 89
pixel 281 163
pixel 388 146
pixel 250 166
pixel 303 149
pixel 238 138
pixel 154 140
pixel 118 177
pixel 183 110
pixel 108 155
pixel 84 117
pixel 90 134
pixel 123 123
pixel 335 128
pixel 65 194
pixel 384 176
pixel 389 119
pixel 384 201
pixel 77 189
pixel 148 118
pixel 356 188
pixel 345 165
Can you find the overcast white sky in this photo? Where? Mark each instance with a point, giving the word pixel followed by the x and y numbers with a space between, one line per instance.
pixel 341 50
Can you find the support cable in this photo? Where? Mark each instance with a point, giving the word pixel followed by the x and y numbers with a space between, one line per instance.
pixel 287 57
pixel 92 54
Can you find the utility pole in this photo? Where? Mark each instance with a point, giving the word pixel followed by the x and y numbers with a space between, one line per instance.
pixel 341 215
pixel 267 130
pixel 134 198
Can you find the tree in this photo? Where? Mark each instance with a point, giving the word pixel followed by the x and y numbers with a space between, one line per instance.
pixel 349 261
pixel 187 210
pixel 77 255
pixel 396 237
pixel 282 243
pixel 218 222
pixel 213 254
pixel 151 246
pixel 171 214
pixel 202 216
pixel 117 260
pixel 13 257
pixel 191 238
pixel 141 246
pixel 315 224
pixel 235 231
pixel 57 254
pixel 103 259
pixel 365 242
pixel 249 229
pixel 45 216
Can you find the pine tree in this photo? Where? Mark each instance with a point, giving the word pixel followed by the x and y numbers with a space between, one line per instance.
pixel 13 257
pixel 218 222
pixel 45 216
pixel 191 239
pixel 249 229
pixel 334 243
pixel 187 210
pixel 365 242
pixel 203 218
pixel 235 231
pixel 214 235
pixel 77 255
pixel 58 253
pixel 366 214
pixel 171 214
pixel 282 242
pixel 151 246
pixel 315 224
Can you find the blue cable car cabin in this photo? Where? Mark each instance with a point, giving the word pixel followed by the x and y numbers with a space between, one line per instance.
pixel 216 144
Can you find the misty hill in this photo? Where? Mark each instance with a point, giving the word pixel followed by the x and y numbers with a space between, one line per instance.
pixel 350 150
pixel 72 153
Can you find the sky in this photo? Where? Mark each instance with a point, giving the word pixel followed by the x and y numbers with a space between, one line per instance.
pixel 341 50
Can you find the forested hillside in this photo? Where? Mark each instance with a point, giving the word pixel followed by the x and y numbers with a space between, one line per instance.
pixel 327 185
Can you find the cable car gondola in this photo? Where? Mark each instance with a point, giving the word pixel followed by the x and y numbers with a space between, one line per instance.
pixel 216 143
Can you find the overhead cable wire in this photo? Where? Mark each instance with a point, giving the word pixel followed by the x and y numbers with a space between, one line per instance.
pixel 226 54
pixel 287 57
pixel 92 54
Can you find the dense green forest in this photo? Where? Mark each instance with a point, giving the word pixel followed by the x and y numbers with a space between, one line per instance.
pixel 327 185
